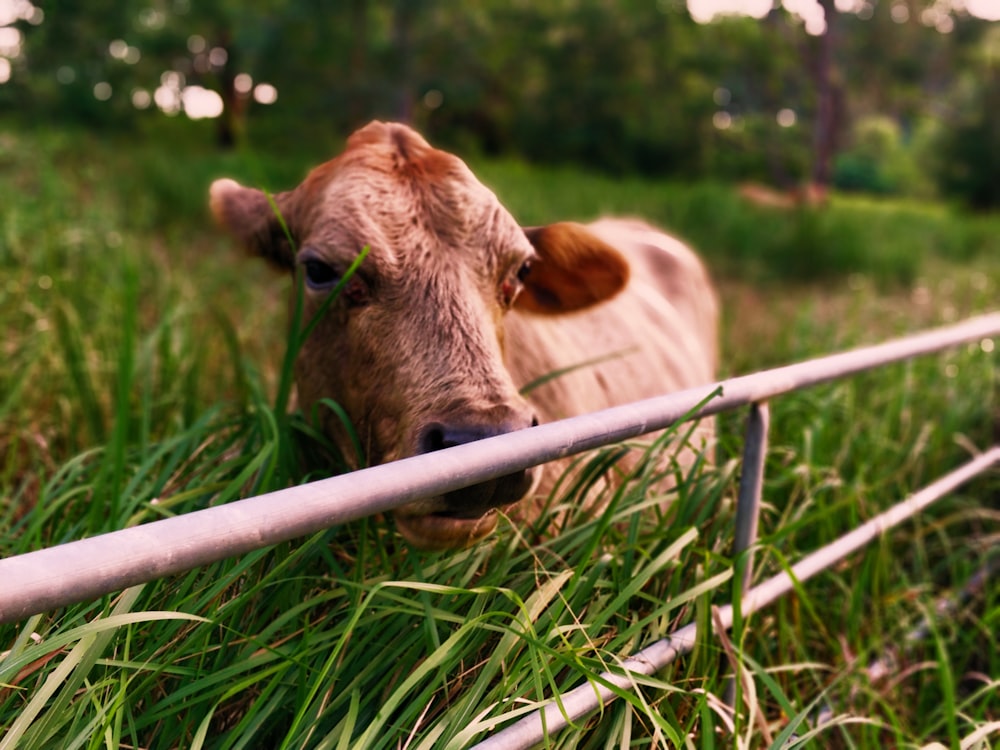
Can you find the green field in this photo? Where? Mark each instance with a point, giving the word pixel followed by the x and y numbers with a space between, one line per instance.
pixel 142 358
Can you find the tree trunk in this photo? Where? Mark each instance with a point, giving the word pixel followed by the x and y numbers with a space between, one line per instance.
pixel 229 126
pixel 402 28
pixel 826 115
pixel 358 105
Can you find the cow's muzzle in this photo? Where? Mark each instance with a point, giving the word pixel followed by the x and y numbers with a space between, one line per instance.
pixel 462 517
pixel 473 502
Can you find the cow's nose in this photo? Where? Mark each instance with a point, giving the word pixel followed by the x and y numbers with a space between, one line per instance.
pixel 435 436
pixel 473 502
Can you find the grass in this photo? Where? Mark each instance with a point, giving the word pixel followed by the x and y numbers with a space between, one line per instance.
pixel 137 385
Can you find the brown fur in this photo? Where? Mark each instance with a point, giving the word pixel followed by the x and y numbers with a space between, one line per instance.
pixel 575 270
pixel 426 351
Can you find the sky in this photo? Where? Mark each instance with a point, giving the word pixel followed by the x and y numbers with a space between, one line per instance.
pixel 938 15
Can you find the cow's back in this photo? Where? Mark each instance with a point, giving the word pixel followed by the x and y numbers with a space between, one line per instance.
pixel 657 336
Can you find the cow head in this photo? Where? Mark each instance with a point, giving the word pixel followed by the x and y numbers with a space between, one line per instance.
pixel 412 349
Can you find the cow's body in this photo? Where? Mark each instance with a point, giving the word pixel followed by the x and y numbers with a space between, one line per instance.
pixel 456 308
pixel 655 337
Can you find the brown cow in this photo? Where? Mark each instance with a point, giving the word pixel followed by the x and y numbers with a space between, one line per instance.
pixel 456 307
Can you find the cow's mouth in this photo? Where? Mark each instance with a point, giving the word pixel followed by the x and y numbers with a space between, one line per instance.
pixel 438 531
pixel 461 518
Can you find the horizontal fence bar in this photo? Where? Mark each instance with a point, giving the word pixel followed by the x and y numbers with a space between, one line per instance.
pixel 556 714
pixel 86 569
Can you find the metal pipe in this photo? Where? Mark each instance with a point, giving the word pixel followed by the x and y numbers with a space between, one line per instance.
pixel 751 488
pixel 776 587
pixel 556 714
pixel 748 509
pixel 86 569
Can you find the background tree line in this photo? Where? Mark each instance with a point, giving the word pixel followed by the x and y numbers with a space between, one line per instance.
pixel 895 97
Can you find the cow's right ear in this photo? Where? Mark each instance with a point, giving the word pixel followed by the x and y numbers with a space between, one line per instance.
pixel 248 215
pixel 573 270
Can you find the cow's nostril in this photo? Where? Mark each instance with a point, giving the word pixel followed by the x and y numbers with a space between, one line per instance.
pixel 436 436
pixel 433 438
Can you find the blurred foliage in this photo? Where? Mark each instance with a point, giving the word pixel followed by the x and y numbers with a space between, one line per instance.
pixel 630 86
pixel 883 159
pixel 969 161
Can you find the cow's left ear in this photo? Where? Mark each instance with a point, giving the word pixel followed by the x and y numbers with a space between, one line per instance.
pixel 574 270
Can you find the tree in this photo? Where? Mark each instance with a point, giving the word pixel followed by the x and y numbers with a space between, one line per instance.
pixel 622 85
pixel 968 160
pixel 824 126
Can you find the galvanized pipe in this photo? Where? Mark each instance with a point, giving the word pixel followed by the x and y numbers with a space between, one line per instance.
pixel 748 508
pixel 86 569
pixel 751 488
pixel 556 714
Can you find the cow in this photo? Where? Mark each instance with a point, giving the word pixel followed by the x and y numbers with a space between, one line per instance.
pixel 456 307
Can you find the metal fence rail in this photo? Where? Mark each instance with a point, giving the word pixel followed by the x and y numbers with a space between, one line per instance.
pixel 86 569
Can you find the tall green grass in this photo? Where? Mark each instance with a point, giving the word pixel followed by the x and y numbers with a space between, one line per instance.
pixel 142 378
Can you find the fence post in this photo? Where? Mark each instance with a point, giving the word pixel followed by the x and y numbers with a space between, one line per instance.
pixel 747 517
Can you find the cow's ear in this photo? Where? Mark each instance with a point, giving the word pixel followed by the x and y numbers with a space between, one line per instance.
pixel 574 270
pixel 248 215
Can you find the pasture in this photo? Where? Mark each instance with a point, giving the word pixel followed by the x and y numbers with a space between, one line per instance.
pixel 143 377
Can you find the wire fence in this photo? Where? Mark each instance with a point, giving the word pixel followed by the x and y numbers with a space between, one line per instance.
pixel 86 569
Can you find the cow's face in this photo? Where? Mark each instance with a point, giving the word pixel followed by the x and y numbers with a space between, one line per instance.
pixel 412 348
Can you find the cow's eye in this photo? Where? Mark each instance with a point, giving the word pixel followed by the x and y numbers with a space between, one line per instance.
pixel 524 270
pixel 511 287
pixel 320 275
